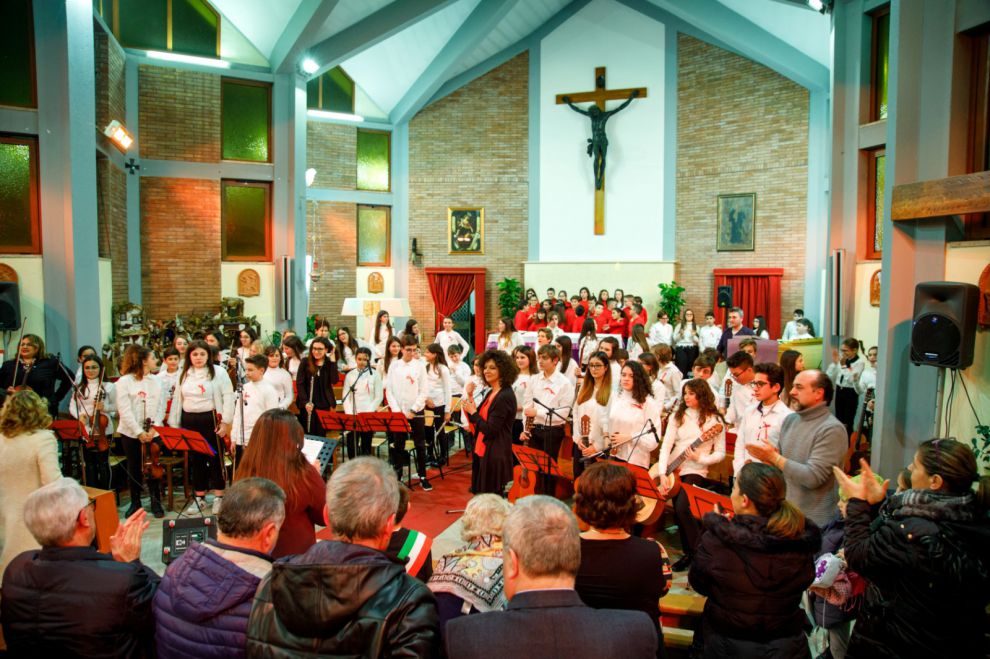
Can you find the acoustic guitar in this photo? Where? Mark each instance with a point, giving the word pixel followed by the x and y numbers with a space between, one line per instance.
pixel 859 446
pixel 523 483
pixel 673 469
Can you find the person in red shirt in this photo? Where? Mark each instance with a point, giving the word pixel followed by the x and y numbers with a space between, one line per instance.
pixel 602 317
pixel 525 315
pixel 578 316
pixel 585 299
pixel 637 316
pixel 538 321
pixel 618 324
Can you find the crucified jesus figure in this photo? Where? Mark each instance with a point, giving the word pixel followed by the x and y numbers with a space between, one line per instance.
pixel 598 142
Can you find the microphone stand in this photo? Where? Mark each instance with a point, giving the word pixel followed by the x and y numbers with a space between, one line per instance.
pixel 77 397
pixel 239 392
pixel 551 412
pixel 343 403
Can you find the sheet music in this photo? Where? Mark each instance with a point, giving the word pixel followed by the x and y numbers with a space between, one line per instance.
pixel 311 449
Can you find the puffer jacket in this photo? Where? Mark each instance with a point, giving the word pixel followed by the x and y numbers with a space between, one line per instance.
pixel 204 600
pixel 754 582
pixel 342 599
pixel 927 558
pixel 828 615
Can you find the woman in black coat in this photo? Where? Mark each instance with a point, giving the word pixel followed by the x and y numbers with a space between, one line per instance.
pixel 492 422
pixel 926 555
pixel 35 369
pixel 317 373
pixel 754 569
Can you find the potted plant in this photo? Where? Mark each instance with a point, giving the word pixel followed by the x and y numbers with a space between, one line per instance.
pixel 509 293
pixel 671 299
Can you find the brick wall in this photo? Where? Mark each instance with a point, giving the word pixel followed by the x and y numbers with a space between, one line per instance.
pixel 179 114
pixel 112 217
pixel 335 253
pixel 741 128
pixel 110 89
pixel 471 149
pixel 331 149
pixel 180 246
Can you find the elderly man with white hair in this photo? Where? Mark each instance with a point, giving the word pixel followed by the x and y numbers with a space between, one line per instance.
pixel 68 599
pixel 345 597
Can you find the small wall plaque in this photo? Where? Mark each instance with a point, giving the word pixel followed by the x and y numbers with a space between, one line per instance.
pixel 875 289
pixel 376 283
pixel 7 273
pixel 248 283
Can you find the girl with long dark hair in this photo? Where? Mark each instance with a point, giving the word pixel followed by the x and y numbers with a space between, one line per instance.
pixel 94 405
pixel 141 405
pixel 628 427
pixel 314 385
pixel 381 332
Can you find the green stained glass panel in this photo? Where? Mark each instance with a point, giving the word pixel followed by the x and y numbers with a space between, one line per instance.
pixel 373 229
pixel 313 94
pixel 881 170
pixel 372 160
pixel 16 74
pixel 338 91
pixel 15 197
pixel 143 24
pixel 882 62
pixel 194 28
pixel 245 213
pixel 245 121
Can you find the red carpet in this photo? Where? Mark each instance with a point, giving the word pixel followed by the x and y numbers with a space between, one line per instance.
pixel 428 510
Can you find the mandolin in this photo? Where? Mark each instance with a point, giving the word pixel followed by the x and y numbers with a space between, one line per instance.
pixel 523 483
pixel 673 469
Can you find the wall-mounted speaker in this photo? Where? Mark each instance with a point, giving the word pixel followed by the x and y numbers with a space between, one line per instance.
pixel 944 329
pixel 10 306
pixel 724 297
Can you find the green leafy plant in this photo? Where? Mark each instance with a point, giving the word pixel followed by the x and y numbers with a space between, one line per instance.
pixel 509 293
pixel 981 448
pixel 671 299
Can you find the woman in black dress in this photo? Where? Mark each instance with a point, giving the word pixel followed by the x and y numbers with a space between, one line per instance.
pixel 314 385
pixel 492 422
pixel 35 369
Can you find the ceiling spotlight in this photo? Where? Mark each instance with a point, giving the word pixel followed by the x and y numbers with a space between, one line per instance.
pixel 310 176
pixel 815 4
pixel 310 66
pixel 118 135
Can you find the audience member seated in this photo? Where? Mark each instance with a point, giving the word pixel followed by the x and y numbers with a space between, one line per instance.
pixel 345 596
pixel 754 570
pixel 545 616
pixel 469 580
pixel 618 570
pixel 408 547
pixel 926 554
pixel 69 600
pixel 275 452
pixel 204 600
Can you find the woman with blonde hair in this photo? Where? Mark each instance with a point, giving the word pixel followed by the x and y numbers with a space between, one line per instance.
pixel 469 580
pixel 28 460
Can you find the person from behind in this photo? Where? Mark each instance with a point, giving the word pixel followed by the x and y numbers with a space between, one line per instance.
pixel 69 600
pixel 345 596
pixel 926 554
pixel 204 600
pixel 469 580
pixel 754 569
pixel 545 617
pixel 407 546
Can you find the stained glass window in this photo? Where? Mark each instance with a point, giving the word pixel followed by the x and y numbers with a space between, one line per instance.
pixel 246 221
pixel 17 54
pixel 20 229
pixel 876 176
pixel 373 247
pixel 881 48
pixel 246 113
pixel 373 160
pixel 192 27
pixel 333 91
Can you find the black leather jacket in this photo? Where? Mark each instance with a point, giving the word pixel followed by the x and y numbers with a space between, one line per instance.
pixel 344 600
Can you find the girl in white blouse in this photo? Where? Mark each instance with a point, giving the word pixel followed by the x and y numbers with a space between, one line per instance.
pixel 347 348
pixel 631 413
pixel 203 393
pixel 591 408
pixel 381 332
pixel 392 354
pixel 279 378
pixel 237 356
pixel 141 405
pixel 652 367
pixel 438 399
pixel 637 344
pixel 694 418
pixel 293 350
pixel 525 360
pixel 508 337
pixel 447 337
pixel 95 396
pixel 686 338
pixel 363 390
pixel 567 364
pixel 587 343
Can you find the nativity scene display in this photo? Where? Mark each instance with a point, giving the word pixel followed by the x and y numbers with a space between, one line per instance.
pixel 466 230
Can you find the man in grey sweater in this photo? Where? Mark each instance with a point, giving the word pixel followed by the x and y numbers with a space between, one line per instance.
pixel 812 441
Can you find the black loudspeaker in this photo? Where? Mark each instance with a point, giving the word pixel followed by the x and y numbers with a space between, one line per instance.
pixel 724 297
pixel 944 327
pixel 10 306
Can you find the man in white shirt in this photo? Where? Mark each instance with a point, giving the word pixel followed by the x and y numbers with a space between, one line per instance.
pixel 547 389
pixel 709 334
pixel 761 420
pixel 790 329
pixel 407 392
pixel 740 396
pixel 258 398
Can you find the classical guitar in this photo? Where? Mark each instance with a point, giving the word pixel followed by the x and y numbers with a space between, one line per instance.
pixel 859 446
pixel 523 483
pixel 673 469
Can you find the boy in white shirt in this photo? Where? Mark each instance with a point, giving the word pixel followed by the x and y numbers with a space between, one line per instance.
pixel 363 392
pixel 740 393
pixel 702 369
pixel 258 398
pixel 762 419
pixel 407 392
pixel 709 334
pixel 551 388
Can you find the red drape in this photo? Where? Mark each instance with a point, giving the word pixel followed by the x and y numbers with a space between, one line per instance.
pixel 449 290
pixel 754 290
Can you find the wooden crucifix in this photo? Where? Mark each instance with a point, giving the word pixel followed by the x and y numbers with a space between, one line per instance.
pixel 598 142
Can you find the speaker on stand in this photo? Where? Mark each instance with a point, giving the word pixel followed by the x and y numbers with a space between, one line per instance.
pixel 10 313
pixel 943 332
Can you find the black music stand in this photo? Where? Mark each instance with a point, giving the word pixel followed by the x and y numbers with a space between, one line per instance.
pixel 537 461
pixel 341 422
pixel 325 454
pixel 704 501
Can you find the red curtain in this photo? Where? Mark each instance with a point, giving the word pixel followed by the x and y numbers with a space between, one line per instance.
pixel 754 290
pixel 449 291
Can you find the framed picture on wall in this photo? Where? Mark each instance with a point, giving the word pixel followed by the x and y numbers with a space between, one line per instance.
pixel 466 230
pixel 736 222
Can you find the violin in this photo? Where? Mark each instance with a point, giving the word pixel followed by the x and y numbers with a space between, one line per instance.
pixel 99 421
pixel 151 456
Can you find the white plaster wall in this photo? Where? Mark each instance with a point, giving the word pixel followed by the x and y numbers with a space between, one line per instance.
pixel 262 306
pixel 633 278
pixel 631 47
pixel 32 291
pixel 866 323
pixel 106 300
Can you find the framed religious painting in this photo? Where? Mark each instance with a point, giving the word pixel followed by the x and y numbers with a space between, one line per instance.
pixel 736 222
pixel 465 230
